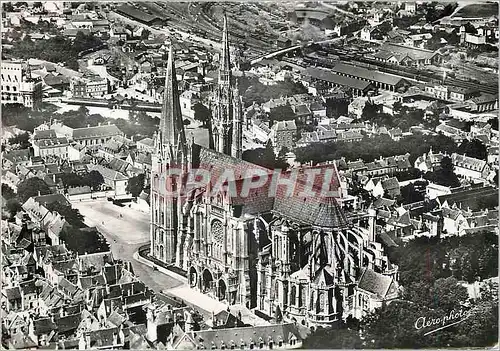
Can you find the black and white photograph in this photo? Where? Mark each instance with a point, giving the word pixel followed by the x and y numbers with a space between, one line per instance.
pixel 186 175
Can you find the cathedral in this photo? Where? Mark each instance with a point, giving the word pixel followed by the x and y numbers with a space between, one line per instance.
pixel 297 257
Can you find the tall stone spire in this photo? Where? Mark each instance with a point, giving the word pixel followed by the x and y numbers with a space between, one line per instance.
pixel 225 57
pixel 226 126
pixel 171 126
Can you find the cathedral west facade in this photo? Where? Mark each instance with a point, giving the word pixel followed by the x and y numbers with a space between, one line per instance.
pixel 290 255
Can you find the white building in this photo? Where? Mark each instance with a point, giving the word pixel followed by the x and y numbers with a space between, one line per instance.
pixel 18 86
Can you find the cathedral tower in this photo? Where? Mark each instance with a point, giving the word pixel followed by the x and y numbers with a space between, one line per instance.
pixel 227 127
pixel 170 152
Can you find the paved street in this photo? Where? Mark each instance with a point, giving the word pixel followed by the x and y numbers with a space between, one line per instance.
pixel 125 235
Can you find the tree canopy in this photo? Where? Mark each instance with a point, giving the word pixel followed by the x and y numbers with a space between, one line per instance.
pixel 202 114
pixel 444 175
pixel 135 185
pixel 473 148
pixel 371 148
pixel 32 187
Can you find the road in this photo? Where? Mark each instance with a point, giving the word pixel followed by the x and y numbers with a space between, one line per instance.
pixel 125 235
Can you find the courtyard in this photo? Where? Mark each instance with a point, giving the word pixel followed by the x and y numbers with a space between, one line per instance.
pixel 125 234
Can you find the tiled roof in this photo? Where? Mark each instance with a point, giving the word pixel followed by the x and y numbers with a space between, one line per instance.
pixel 374 282
pixel 106 172
pixel 147 141
pixel 96 132
pixel 413 52
pixel 51 198
pixel 16 156
pixel 44 326
pixel 390 184
pixel 95 260
pixel 472 199
pixel 285 126
pixel 470 163
pixel 13 293
pixel 244 336
pixel 45 134
pixel 329 76
pixel 313 210
pixel 364 73
pixel 68 323
pixel 135 13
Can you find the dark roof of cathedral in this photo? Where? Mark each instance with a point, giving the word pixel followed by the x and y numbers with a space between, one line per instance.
pixel 320 211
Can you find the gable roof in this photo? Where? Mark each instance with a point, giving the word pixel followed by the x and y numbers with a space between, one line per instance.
pixel 96 132
pixel 51 198
pixel 244 336
pixel 375 283
pixel 331 77
pixel 106 172
pixel 364 73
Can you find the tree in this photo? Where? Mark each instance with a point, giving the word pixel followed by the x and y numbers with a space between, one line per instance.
pixel 469 28
pixel 202 114
pixel 265 157
pixel 71 215
pixel 7 192
pixel 23 140
pixel 281 113
pixel 13 206
pixel 444 175
pixel 32 187
pixel 447 293
pixel 333 338
pixel 473 148
pixel 370 111
pixel 84 241
pixel 145 34
pixel 410 195
pixel 136 185
pixel 94 179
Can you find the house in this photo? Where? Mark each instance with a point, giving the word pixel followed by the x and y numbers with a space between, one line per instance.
pixel 383 186
pixel 146 145
pixel 89 86
pixel 187 100
pixel 381 80
pixel 407 55
pixel 473 199
pixel 97 135
pixel 428 162
pixel 50 147
pixel 14 158
pixel 270 336
pixel 112 179
pixel 355 86
pixel 283 135
pixel 373 290
pixel 469 167
pixel 118 33
pixel 461 94
pixel 369 33
pixel 483 103
pixel 391 188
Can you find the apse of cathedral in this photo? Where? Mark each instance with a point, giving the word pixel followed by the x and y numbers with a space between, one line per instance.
pixel 290 255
